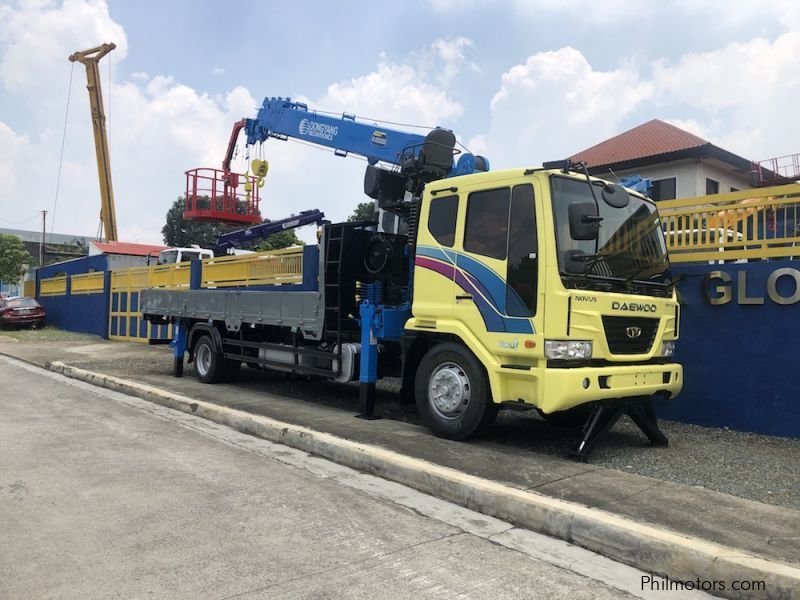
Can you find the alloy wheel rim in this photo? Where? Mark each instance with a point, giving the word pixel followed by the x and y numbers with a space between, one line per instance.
pixel 449 390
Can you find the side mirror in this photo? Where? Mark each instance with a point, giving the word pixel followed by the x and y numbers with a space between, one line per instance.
pixel 584 222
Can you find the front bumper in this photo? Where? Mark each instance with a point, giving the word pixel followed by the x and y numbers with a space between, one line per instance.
pixel 562 388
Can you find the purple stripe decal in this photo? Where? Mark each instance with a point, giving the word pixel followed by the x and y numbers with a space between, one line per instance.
pixel 435 265
pixel 491 320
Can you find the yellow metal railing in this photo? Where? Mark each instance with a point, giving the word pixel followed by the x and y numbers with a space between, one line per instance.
pixel 170 276
pixel 264 268
pixel 86 283
pixel 161 276
pixel 53 286
pixel 29 288
pixel 751 224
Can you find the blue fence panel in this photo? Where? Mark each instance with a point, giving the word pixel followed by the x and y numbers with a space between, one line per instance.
pixel 739 333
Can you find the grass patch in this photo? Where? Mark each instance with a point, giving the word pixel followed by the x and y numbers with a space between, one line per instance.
pixel 46 334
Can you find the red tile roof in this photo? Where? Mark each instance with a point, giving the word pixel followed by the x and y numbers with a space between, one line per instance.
pixel 128 248
pixel 649 139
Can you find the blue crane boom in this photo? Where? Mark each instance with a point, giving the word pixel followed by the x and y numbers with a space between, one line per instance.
pixel 264 230
pixel 414 159
pixel 424 157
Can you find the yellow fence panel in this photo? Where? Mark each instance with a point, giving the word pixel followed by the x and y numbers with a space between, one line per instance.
pixel 170 276
pixel 264 268
pixel 29 288
pixel 87 283
pixel 53 286
pixel 125 320
pixel 748 225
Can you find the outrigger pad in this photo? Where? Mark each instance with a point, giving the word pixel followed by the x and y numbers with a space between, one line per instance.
pixel 604 416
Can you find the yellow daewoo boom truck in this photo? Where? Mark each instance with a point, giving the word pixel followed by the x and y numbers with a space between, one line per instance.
pixel 538 288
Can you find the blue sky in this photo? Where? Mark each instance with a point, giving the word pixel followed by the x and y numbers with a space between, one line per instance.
pixel 522 81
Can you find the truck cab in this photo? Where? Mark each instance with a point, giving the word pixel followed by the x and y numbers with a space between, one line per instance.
pixel 171 256
pixel 538 288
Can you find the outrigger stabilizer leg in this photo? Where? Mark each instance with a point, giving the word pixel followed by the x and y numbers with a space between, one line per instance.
pixel 605 415
pixel 178 345
pixel 368 367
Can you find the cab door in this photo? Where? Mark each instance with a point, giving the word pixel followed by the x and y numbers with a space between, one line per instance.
pixel 434 263
pixel 497 258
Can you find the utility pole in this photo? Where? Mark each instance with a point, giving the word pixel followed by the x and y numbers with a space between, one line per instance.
pixel 41 243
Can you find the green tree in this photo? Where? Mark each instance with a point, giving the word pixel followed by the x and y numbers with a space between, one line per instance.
pixel 13 258
pixel 181 233
pixel 283 239
pixel 365 211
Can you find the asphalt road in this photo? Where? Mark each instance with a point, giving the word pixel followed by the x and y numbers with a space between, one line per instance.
pixel 107 496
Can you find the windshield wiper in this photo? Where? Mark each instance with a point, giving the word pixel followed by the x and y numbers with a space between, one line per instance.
pixel 637 273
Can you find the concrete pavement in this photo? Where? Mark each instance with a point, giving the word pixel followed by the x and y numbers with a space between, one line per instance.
pixel 711 534
pixel 104 495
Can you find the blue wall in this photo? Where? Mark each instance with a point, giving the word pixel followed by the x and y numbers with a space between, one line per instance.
pixel 86 264
pixel 84 313
pixel 740 360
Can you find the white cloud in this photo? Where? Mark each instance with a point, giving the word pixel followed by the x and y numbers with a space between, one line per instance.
pixel 38 36
pixel 741 97
pixel 745 94
pixel 556 104
pixel 218 71
pixel 301 177
pixel 160 127
pixel 397 92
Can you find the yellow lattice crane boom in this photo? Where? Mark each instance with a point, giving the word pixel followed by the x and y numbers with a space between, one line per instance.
pixel 90 58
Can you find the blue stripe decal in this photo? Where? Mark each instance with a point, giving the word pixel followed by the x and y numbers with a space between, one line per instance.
pixel 490 284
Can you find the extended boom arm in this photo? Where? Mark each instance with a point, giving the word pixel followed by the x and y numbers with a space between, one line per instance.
pixel 417 158
pixel 89 59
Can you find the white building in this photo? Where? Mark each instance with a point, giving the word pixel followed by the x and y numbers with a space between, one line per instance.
pixel 680 164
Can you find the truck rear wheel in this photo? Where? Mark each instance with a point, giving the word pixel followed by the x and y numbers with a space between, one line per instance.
pixel 452 393
pixel 209 363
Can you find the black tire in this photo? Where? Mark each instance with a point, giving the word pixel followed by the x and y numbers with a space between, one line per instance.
pixel 573 418
pixel 466 410
pixel 209 363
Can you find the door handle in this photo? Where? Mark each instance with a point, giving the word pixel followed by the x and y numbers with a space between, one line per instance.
pixel 464 297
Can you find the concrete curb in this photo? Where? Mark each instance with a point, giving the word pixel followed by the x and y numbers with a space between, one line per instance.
pixel 643 546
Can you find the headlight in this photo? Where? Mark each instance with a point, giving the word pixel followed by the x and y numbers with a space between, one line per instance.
pixel 555 349
pixel 668 348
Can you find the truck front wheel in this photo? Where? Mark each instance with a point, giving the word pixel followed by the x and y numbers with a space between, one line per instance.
pixel 452 393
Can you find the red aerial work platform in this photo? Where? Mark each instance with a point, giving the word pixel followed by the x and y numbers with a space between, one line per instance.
pixel 222 196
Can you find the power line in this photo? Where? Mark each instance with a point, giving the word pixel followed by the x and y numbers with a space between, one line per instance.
pixel 19 222
pixel 61 156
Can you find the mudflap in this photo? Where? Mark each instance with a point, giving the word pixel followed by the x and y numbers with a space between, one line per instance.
pixel 604 416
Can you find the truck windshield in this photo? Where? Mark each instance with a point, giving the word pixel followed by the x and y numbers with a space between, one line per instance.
pixel 630 246
pixel 168 257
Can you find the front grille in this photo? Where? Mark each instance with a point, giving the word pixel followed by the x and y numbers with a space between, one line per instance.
pixel 619 342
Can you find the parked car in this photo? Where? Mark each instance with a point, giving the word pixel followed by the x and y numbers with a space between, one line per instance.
pixel 21 312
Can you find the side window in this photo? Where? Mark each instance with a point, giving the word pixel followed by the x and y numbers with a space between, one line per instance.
pixel 442 219
pixel 522 254
pixel 487 223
